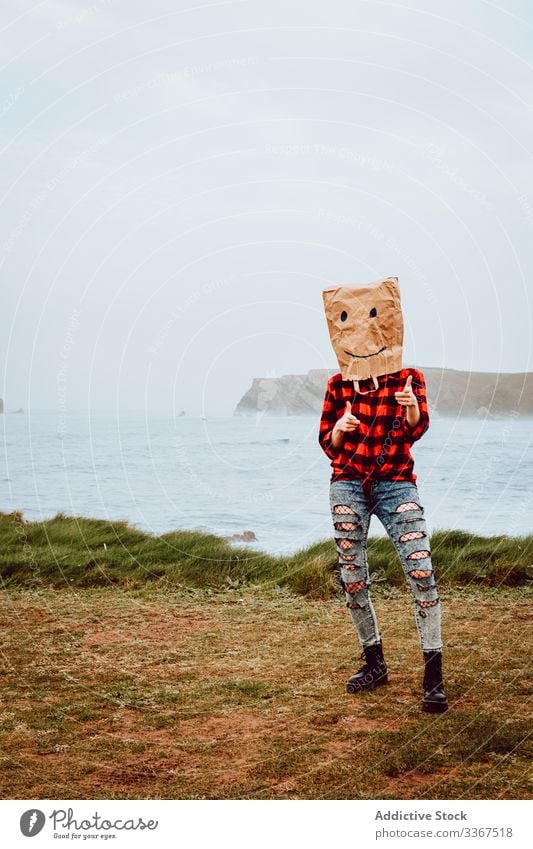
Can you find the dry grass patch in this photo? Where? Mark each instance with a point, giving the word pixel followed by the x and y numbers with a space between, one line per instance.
pixel 136 694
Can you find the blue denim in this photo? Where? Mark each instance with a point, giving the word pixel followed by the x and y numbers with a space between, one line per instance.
pixel 397 506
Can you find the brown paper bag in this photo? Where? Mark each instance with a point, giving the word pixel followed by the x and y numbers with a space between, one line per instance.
pixel 365 325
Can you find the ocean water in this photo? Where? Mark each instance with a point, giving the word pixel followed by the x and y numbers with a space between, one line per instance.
pixel 268 475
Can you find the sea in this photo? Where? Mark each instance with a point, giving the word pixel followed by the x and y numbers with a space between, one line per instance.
pixel 267 475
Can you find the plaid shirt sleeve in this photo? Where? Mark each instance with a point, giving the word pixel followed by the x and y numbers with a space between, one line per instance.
pixel 327 423
pixel 419 388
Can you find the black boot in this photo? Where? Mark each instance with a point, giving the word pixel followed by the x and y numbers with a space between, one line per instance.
pixel 373 673
pixel 434 696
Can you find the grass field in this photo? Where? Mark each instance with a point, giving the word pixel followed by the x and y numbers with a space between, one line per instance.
pixel 179 667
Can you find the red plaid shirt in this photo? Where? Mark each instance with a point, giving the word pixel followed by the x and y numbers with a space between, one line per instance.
pixel 379 447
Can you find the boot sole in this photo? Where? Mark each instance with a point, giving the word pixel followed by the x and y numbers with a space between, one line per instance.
pixel 355 688
pixel 435 707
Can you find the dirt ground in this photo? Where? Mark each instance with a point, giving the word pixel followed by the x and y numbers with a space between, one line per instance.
pixel 241 694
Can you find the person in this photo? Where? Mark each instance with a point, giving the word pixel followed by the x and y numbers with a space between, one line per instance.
pixel 367 428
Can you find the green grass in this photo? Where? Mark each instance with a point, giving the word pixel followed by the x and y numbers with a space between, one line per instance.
pixel 75 551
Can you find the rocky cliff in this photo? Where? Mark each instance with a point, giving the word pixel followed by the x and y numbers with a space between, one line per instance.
pixel 450 392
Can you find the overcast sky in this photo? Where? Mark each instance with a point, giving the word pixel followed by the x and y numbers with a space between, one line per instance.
pixel 181 180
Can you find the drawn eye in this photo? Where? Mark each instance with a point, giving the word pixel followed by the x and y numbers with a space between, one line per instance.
pixel 344 315
pixel 373 312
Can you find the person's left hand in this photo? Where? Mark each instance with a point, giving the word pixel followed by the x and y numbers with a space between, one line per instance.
pixel 407 397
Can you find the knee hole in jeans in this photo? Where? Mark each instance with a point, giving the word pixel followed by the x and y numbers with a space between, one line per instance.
pixel 420 573
pixel 426 589
pixel 424 603
pixel 412 535
pixel 354 587
pixel 345 509
pixel 419 555
pixel 407 505
pixel 345 544
pixel 345 526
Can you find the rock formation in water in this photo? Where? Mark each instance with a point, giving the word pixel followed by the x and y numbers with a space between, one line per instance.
pixel 450 392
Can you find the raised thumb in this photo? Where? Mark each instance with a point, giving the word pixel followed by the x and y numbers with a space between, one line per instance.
pixel 348 408
pixel 408 382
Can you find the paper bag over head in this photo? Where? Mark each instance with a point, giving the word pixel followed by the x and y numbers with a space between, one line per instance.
pixel 365 326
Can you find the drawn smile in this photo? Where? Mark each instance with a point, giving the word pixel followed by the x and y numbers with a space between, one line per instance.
pixel 365 356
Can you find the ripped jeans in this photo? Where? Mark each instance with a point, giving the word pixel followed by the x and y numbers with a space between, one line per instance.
pixel 397 506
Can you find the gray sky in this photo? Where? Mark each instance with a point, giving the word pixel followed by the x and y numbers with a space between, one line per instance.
pixel 181 180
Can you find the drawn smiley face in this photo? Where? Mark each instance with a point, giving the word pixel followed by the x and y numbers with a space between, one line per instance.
pixel 371 314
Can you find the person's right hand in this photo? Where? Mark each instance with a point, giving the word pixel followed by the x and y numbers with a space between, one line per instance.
pixel 347 421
